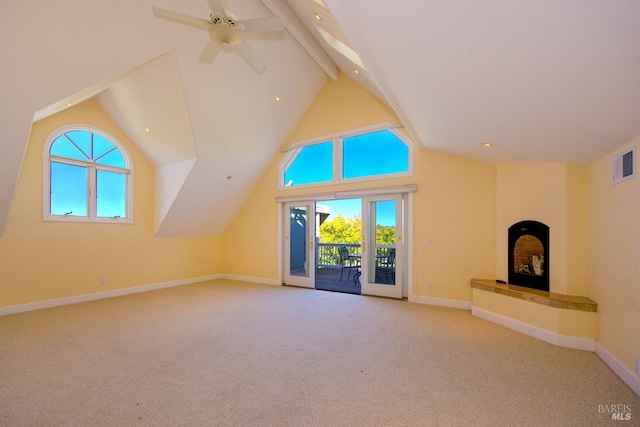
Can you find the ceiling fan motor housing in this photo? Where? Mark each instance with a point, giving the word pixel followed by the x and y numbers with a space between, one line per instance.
pixel 224 34
pixel 224 31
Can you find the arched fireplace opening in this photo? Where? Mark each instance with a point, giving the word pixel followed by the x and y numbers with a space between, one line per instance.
pixel 529 255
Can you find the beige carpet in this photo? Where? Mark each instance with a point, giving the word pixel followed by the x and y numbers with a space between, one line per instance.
pixel 235 354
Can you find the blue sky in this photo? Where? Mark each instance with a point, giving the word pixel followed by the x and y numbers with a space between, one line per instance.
pixel 347 207
pixel 353 207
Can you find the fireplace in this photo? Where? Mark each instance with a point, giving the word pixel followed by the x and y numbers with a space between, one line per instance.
pixel 529 255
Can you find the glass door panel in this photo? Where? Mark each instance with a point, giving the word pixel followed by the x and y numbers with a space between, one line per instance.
pixel 299 244
pixel 382 246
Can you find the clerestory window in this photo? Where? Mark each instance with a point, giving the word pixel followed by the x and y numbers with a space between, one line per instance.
pixel 312 164
pixel 87 177
pixel 360 155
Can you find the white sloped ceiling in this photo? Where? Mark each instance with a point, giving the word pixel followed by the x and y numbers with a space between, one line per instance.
pixel 545 81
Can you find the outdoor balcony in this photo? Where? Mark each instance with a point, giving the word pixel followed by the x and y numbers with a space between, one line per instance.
pixel 331 274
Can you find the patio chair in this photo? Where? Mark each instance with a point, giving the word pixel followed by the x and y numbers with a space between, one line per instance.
pixel 347 262
pixel 387 265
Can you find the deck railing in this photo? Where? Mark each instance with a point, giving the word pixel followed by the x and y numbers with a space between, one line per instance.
pixel 328 256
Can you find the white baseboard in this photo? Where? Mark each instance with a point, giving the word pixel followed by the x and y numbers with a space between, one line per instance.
pixel 577 343
pixel 625 374
pixel 38 305
pixel 441 302
pixel 250 279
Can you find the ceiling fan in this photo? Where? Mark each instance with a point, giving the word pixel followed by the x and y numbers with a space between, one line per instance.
pixel 225 30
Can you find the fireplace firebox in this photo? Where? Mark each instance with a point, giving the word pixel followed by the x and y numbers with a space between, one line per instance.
pixel 529 255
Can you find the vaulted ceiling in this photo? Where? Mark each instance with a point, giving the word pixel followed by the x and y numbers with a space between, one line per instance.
pixel 546 81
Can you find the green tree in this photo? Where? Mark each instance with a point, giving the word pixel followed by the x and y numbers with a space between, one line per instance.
pixel 341 230
pixel 385 235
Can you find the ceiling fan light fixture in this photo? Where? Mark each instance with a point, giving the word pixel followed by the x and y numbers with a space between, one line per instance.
pixel 225 35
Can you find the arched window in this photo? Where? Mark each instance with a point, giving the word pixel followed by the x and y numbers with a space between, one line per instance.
pixel 87 177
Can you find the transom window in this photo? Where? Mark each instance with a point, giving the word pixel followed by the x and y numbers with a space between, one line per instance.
pixel 87 177
pixel 312 164
pixel 362 155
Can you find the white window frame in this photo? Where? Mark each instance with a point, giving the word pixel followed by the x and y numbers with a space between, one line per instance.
pixel 92 168
pixel 338 161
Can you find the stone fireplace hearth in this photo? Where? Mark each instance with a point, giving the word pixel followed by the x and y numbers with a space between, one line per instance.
pixel 529 255
pixel 564 320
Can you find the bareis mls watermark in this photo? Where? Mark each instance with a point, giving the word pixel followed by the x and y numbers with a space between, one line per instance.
pixel 619 412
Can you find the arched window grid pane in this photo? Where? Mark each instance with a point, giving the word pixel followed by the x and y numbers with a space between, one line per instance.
pixel 81 140
pixel 101 146
pixel 104 154
pixel 63 146
pixel 107 152
pixel 112 158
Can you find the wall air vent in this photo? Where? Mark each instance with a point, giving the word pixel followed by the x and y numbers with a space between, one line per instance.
pixel 624 166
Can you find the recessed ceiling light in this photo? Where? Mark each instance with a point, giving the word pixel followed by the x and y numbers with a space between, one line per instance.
pixel 356 71
pixel 147 130
pixel 318 17
pixel 278 99
pixel 68 104
pixel 487 144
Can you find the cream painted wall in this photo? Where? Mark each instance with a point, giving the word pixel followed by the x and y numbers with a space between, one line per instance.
pixel 455 209
pixel 454 204
pixel 47 260
pixel 577 229
pixel 341 105
pixel 614 251
pixel 554 194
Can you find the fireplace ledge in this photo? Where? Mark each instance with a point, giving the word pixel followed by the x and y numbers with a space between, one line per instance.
pixel 571 302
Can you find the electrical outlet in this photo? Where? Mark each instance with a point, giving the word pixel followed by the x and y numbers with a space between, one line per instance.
pixel 213 267
pixel 102 281
pixel 430 285
pixel 638 366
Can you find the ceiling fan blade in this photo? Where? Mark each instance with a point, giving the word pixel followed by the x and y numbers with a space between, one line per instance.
pixel 251 56
pixel 261 25
pixel 209 53
pixel 180 18
pixel 218 5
